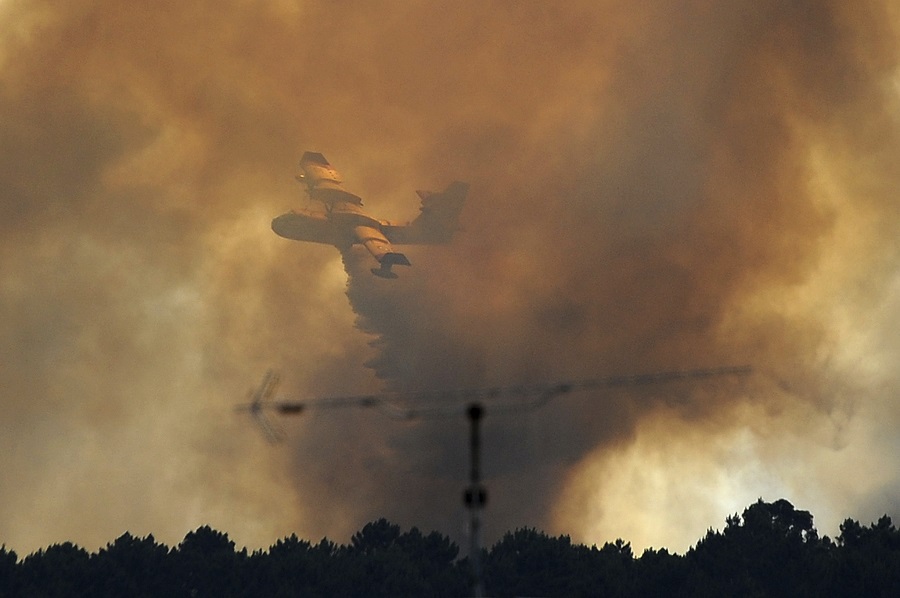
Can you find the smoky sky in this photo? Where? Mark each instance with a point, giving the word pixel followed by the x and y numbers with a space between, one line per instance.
pixel 654 187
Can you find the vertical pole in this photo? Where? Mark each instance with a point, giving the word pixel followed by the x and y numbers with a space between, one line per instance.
pixel 475 497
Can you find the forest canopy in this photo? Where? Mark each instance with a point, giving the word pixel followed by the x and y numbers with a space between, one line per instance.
pixel 771 549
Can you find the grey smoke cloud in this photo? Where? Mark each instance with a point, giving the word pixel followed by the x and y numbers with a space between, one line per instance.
pixel 651 188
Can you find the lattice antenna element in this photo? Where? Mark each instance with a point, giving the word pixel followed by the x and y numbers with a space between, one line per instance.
pixel 262 399
pixel 496 399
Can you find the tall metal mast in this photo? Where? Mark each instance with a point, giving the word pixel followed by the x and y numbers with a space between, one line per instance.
pixel 475 496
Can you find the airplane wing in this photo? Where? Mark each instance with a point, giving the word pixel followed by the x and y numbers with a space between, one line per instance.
pixel 438 220
pixel 322 180
pixel 381 249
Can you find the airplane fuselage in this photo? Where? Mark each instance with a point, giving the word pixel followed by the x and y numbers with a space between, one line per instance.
pixel 334 228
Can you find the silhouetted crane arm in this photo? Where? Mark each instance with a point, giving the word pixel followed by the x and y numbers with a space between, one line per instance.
pixel 497 399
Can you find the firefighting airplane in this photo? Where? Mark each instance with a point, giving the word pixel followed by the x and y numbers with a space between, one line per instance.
pixel 344 223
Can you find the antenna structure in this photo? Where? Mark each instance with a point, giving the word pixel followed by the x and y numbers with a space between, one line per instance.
pixel 445 403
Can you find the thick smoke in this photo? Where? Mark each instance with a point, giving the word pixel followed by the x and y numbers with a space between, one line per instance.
pixel 662 187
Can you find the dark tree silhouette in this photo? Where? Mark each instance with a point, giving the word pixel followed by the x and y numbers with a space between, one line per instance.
pixel 772 549
pixel 133 567
pixel 869 563
pixel 381 561
pixel 291 567
pixel 61 570
pixel 206 564
pixel 530 562
pixel 658 573
pixel 8 571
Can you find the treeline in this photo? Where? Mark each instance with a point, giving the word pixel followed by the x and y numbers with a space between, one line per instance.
pixel 771 550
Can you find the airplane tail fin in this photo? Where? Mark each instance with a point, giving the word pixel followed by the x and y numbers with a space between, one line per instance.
pixel 439 219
